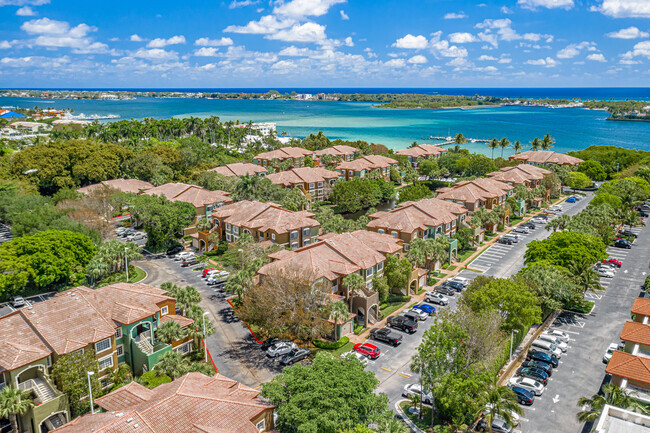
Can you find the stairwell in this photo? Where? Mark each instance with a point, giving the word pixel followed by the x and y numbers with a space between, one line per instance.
pixel 54 422
pixel 145 345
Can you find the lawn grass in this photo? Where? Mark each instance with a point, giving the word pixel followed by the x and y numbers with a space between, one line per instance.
pixel 515 220
pixel 425 422
pixel 391 309
pixel 135 274
pixel 465 254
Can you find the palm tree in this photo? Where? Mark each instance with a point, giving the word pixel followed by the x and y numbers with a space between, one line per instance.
pixel 353 283
pixel 493 145
pixel 238 283
pixel 13 402
pixel 459 139
pixel 560 223
pixel 547 142
pixel 535 144
pixel 392 425
pixel 169 331
pixel 203 224
pixel 187 297
pixel 499 402
pixel 339 313
pixel 612 395
pixel 504 144
pixel 585 276
pixel 172 364
pixel 196 330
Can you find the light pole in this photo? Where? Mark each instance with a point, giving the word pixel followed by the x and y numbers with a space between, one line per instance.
pixel 126 261
pixel 512 336
pixel 90 391
pixel 205 347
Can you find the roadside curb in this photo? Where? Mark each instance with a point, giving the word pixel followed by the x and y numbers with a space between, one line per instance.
pixel 406 419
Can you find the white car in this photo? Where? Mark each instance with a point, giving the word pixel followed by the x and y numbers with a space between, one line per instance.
pixel 184 255
pixel 513 415
pixel 422 315
pixel 413 389
pixel 563 336
pixel 281 348
pixel 136 236
pixel 356 355
pixel 610 351
pixel 528 384
pixel 436 298
pixel 538 220
pixel 464 281
pixel 217 273
pixel 604 272
pixel 520 229
pixel 554 340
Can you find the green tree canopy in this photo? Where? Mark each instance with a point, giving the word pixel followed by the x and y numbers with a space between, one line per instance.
pixel 70 373
pixel 562 248
pixel 397 272
pixel 593 169
pixel 161 219
pixel 577 180
pixel 415 192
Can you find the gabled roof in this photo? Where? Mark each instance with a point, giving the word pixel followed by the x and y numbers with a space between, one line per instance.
pixel 546 157
pixel 369 162
pixel 340 150
pixel 181 320
pixel 134 186
pixel 636 333
pixel 641 306
pixel 192 194
pixel 284 153
pixel 519 174
pixel 630 367
pixel 264 216
pixel 419 215
pixel 19 344
pixel 421 150
pixel 239 169
pixel 192 403
pixel 302 175
pixel 472 190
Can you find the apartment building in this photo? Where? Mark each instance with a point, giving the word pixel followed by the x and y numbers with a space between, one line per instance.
pixel 478 193
pixel 342 152
pixel 294 155
pixel 240 169
pixel 421 151
pixel 316 183
pixel 133 186
pixel 366 164
pixel 266 222
pixel 546 157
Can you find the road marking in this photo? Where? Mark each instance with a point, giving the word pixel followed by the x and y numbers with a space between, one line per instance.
pixel 258 387
pixel 556 398
pixel 384 368
pixel 404 375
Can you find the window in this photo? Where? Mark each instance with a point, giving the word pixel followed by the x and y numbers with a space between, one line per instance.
pixel 106 362
pixel 261 426
pixel 228 237
pixel 105 344
pixel 118 333
pixel 320 192
pixel 294 245
pixel 368 272
pixel 120 350
pixel 393 234
pixel 453 223
pixel 447 226
pixel 320 184
pixel 305 242
pixel 164 310
pixel 312 185
pixel 228 227
pixel 184 348
pixel 293 235
pixel 106 383
pixel 273 236
pixel 235 229
pixel 335 286
pixel 381 231
pixel 49 361
pixel 306 232
pixel 380 266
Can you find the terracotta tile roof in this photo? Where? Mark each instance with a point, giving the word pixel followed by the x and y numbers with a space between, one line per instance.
pixel 519 174
pixel 636 333
pixel 134 186
pixel 125 397
pixel 546 157
pixel 19 343
pixel 192 194
pixel 183 321
pixel 340 150
pixel 264 216
pixel 239 169
pixel 629 366
pixel 369 162
pixel 470 191
pixel 192 403
pixel 421 150
pixel 284 153
pixel 641 306
pixel 336 255
pixel 302 175
pixel 419 215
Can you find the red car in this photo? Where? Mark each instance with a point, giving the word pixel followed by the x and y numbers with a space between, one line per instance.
pixel 618 263
pixel 367 349
pixel 206 270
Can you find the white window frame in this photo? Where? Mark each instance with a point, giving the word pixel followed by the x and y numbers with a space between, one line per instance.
pixel 120 350
pixel 394 234
pixel 228 237
pixel 261 426
pixel 306 242
pixel 272 236
pixel 293 235
pixel 312 185
pixel 320 184
pixel 295 245
pixel 381 231
pixel 306 232
pixel 184 348
pixel 380 266
pixel 104 359
pixel 164 310
pixel 118 333
pixel 228 226
pixel 97 350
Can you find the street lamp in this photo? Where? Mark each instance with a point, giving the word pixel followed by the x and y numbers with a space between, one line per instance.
pixel 205 347
pixel 126 261
pixel 90 391
pixel 512 336
pixel 30 171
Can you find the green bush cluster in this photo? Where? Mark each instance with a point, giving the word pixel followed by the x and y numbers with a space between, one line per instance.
pixel 331 345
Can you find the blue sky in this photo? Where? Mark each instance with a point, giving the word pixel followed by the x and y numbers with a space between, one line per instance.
pixel 324 43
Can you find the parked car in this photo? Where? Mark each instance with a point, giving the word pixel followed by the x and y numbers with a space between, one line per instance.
pixel 521 229
pixel 643 214
pixel 136 236
pixel 355 355
pixel 214 280
pixel 218 273
pixel 415 315
pixel 604 272
pixel 126 232
pixel 622 243
pixel 533 373
pixel 430 310
pixel 561 335
pixel 369 350
pixel 183 255
pixel 436 298
pixel 577 197
pixel 498 426
pixel 413 389
pixel 464 281
pixel 628 232
pixel 539 220
pixel 545 367
pixel 506 241
pixel 515 416
pixel 205 272
pixel 615 262
pixel 609 352
pixel 402 323
pixel 295 356
pixel 571 200
pixel 562 345
pixel 530 224
pixel 546 346
pixel 457 286
pixel 514 237
pixel 281 348
pixel 445 290
pixel 189 261
pixel 528 384
pixel 269 342
pixel 174 250
pixel 386 335
pixel 543 356
pixel 523 395
pixel 18 302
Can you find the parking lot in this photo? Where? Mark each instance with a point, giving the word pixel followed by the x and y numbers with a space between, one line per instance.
pixel 7 308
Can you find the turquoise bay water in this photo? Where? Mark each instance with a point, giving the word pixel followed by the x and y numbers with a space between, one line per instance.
pixel 573 128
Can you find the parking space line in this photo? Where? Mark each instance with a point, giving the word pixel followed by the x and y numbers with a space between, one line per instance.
pixel 404 375
pixel 384 368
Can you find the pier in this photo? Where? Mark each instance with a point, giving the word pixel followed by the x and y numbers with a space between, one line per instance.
pixel 450 140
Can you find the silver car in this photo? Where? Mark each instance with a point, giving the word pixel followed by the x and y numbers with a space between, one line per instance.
pixel 413 389
pixel 436 298
pixel 520 229
pixel 281 348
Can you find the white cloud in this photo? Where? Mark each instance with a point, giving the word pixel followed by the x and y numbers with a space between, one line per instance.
pixel 5 45
pixel 155 54
pixel 242 3
pixel 411 42
pixel 441 47
pixel 35 61
pixel 485 58
pixel 628 33
pixel 283 67
pixel 573 50
pixel 596 57
pixel 23 2
pixel 304 8
pixel 462 38
pixel 504 30
pixel 549 4
pixel 624 8
pixel 344 16
pixel 417 60
pixel 505 60
pixel 395 63
pixel 162 42
pixel 136 38
pixel 348 42
pixel 293 51
pixel 207 42
pixel 206 52
pixel 488 69
pixel 59 34
pixel 455 16
pixel 267 24
pixel 642 49
pixel 549 62
pixel 308 32
pixel 506 10
pixel 26 11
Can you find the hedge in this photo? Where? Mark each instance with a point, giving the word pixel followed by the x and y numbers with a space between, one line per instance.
pixel 331 345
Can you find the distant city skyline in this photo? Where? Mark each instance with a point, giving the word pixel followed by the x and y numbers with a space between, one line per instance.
pixel 324 43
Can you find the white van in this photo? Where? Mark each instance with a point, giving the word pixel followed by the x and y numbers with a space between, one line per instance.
pixel 547 346
pixel 556 341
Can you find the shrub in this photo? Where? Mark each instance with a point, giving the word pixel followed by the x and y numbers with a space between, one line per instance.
pixel 646 284
pixel 331 345
pixel 358 329
pixel 152 379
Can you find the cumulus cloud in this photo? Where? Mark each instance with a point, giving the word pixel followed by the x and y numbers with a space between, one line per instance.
pixel 206 52
pixel 642 49
pixel 573 50
pixel 455 16
pixel 344 16
pixel 462 38
pixel 504 59
pixel 488 69
pixel 395 63
pixel 265 25
pixel 242 3
pixel 283 67
pixel 294 51
pixel 548 62
pixel 58 34
pixel 419 59
pixel 624 8
pixel 135 38
pixel 5 45
pixel 162 42
pixel 506 10
pixel 348 42
pixel 411 42
pixel 304 8
pixel 549 4
pixel 597 57
pixel 441 47
pixel 308 32
pixel 207 42
pixel 628 33
pixel 155 54
pixel 503 28
pixel 23 2
pixel 26 11
pixel 486 58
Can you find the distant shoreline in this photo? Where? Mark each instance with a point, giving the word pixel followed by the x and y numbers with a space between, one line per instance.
pixel 464 107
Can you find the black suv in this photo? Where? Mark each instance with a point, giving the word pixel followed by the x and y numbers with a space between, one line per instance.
pixel 386 335
pixel 458 287
pixel 402 323
pixel 627 233
pixel 542 356
pixel 529 224
pixel 622 243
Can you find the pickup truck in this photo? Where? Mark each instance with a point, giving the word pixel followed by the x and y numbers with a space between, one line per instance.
pixel 386 335
pixel 402 323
